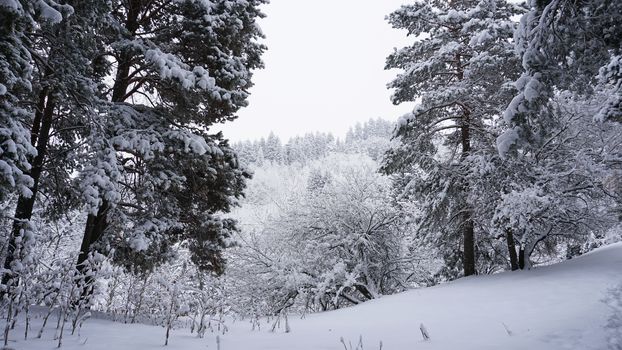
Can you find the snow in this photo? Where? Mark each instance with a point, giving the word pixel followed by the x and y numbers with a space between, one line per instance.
pixel 506 140
pixel 11 5
pixel 171 67
pixel 480 38
pixel 49 13
pixel 6 171
pixel 139 243
pixel 533 88
pixel 572 305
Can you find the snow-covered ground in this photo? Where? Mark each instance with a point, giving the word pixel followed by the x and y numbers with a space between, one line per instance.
pixel 571 305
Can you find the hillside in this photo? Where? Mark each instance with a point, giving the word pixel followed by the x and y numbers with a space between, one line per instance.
pixel 570 305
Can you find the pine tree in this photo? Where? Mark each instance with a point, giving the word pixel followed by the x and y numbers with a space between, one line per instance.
pixel 62 95
pixel 554 60
pixel 15 147
pixel 15 75
pixel 458 68
pixel 561 158
pixel 166 93
pixel 273 150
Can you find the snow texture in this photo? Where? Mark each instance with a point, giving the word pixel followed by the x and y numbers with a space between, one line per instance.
pixel 571 305
pixel 171 67
pixel 49 13
pixel 505 141
pixel 10 4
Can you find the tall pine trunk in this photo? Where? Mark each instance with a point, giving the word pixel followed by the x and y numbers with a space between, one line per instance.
pixel 468 227
pixel 522 258
pixel 40 135
pixel 469 246
pixel 512 250
pixel 97 223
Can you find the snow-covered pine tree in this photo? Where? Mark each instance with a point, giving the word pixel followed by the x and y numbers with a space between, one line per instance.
pixel 373 138
pixel 561 159
pixel 15 75
pixel 64 97
pixel 15 83
pixel 554 60
pixel 274 149
pixel 457 69
pixel 178 68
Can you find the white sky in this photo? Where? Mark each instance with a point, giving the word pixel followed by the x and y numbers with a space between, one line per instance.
pixel 324 69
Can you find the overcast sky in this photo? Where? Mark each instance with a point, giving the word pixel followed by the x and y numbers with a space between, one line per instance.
pixel 324 68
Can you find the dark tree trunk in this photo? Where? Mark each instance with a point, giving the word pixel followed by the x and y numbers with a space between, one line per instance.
pixel 40 135
pixel 96 224
pixel 469 246
pixel 512 250
pixel 468 225
pixel 521 258
pixel 36 123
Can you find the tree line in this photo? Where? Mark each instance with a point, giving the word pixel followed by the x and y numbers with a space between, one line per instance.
pixel 312 146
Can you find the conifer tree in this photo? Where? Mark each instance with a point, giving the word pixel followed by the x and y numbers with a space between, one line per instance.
pixel 274 149
pixel 553 141
pixel 62 96
pixel 554 60
pixel 15 75
pixel 178 69
pixel 457 69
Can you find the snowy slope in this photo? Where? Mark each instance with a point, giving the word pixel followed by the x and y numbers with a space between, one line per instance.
pixel 556 307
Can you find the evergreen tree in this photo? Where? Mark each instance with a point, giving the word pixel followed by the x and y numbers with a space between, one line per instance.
pixel 562 159
pixel 273 150
pixel 459 73
pixel 62 95
pixel 554 60
pixel 178 69
pixel 374 138
pixel 15 75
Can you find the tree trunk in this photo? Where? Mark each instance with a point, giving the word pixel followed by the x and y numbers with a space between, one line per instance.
pixel 40 135
pixel 521 258
pixel 96 224
pixel 468 227
pixel 469 246
pixel 512 250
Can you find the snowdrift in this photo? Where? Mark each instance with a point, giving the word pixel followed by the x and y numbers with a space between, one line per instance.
pixel 572 305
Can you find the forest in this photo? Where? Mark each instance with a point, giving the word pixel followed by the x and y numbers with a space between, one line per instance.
pixel 121 201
